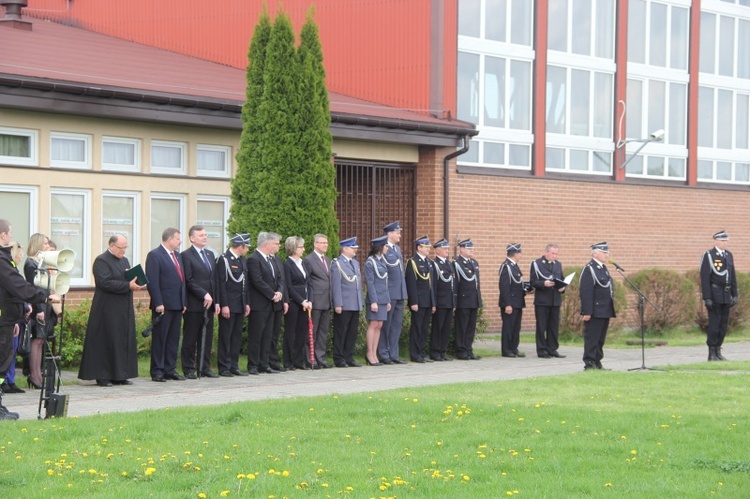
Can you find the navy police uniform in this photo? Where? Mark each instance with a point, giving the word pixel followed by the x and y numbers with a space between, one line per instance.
pixel 719 292
pixel 420 292
pixel 468 303
pixel 597 290
pixel 512 294
pixel 444 286
pixel 547 302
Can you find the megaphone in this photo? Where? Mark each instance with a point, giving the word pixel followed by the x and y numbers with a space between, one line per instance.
pixel 62 260
pixel 58 282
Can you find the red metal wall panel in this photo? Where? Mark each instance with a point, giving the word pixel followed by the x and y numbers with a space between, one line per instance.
pixel 377 50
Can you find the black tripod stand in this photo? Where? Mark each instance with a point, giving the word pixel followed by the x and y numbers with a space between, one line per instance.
pixel 642 299
pixel 55 404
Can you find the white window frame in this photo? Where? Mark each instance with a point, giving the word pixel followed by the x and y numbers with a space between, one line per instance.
pixel 214 148
pixel 33 136
pixel 182 146
pixel 569 143
pixel 182 198
pixel 33 204
pixel 725 158
pixel 135 238
pixel 85 258
pixel 217 199
pixel 136 143
pixel 80 165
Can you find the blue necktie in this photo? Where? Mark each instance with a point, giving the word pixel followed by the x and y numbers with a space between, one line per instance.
pixel 205 260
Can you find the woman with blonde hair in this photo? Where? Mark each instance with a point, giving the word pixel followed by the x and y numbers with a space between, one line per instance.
pixel 41 320
pixel 297 276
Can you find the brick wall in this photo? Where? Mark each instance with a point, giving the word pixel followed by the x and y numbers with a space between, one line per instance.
pixel 645 225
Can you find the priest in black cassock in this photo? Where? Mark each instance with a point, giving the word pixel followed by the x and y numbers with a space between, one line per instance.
pixel 110 352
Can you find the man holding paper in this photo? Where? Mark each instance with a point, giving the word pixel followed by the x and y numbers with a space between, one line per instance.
pixel 546 276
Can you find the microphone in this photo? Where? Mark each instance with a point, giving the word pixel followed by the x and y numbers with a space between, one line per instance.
pixel 617 266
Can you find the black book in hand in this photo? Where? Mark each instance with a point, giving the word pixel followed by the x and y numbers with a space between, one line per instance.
pixel 138 274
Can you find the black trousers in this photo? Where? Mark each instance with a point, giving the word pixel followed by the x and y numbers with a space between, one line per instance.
pixel 259 334
pixel 718 321
pixel 466 327
pixel 273 352
pixel 296 336
pixel 191 341
pixel 6 349
pixel 165 340
pixel 594 335
pixel 419 330
pixel 441 332
pixel 321 322
pixel 345 327
pixel 230 341
pixel 547 329
pixel 511 330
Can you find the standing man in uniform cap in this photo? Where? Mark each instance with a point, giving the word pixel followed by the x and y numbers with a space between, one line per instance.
pixel 421 299
pixel 346 287
pixel 234 304
pixel 320 280
pixel 444 286
pixel 512 301
pixel 547 301
pixel 597 290
pixel 468 300
pixel 391 331
pixel 200 279
pixel 719 291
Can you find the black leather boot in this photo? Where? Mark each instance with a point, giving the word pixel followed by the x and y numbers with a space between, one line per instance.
pixel 712 354
pixel 719 355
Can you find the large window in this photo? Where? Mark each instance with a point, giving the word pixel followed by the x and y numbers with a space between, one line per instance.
pixel 167 210
pixel 494 77
pixel 18 146
pixel 70 150
pixel 120 215
pixel 19 208
pixel 168 157
pixel 120 154
pixel 212 215
pixel 70 224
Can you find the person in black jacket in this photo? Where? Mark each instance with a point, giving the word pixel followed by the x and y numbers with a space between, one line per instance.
pixel 468 301
pixel 719 292
pixel 597 290
pixel 14 291
pixel 233 299
pixel 299 291
pixel 512 301
pixel 421 299
pixel 40 312
pixel 444 284
pixel 547 301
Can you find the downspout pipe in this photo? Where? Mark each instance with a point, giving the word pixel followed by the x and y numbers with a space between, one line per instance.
pixel 446 183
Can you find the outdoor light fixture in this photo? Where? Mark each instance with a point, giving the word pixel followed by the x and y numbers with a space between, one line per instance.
pixel 656 136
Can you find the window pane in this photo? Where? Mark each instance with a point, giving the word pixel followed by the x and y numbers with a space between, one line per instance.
pixel 68 150
pixel 742 172
pixel 634 112
pixel 602 161
pixel 679 38
pixel 656 105
pixel 743 115
pixel 723 170
pixel 602 105
pixel 579 160
pixel 555 158
pixel 676 168
pixel 743 49
pixel 118 153
pixel 655 166
pixel 708 43
pixel 494 153
pixel 494 91
pixel 580 26
pixel 579 102
pixel 605 30
pixel 635 166
pixel 468 17
pixel 705 117
pixel 705 170
pixel 520 22
pixel 520 95
pixel 636 40
pixel 468 87
pixel 557 28
pixel 556 105
pixel 519 155
pixel 677 112
pixel 494 20
pixel 212 160
pixel 17 210
pixel 118 217
pixel 724 109
pixel 472 155
pixel 67 226
pixel 164 213
pixel 16 146
pixel 212 217
pixel 166 157
pixel 726 46
pixel 658 32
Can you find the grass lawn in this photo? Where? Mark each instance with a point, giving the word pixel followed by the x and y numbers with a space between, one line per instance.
pixel 667 434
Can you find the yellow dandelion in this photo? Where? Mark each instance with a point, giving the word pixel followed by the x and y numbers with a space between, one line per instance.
pixel 324 485
pixel 202 495
pixel 415 400
pixel 634 452
pixel 466 478
pixel 124 473
pixel 285 473
pixel 224 493
pixel 150 471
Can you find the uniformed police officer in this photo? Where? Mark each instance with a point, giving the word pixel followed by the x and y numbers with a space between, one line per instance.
pixel 597 290
pixel 346 292
pixel 512 301
pixel 444 284
pixel 719 291
pixel 421 296
pixel 232 297
pixel 468 300
pixel 547 301
pixel 391 331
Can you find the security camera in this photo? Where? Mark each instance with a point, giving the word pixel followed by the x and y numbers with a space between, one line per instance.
pixel 658 135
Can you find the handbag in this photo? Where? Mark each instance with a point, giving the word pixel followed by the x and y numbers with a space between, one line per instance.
pixel 24 341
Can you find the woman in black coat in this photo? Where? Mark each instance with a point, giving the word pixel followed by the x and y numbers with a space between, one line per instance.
pixel 299 292
pixel 40 323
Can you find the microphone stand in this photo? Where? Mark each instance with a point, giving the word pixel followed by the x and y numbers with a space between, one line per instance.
pixel 51 376
pixel 642 299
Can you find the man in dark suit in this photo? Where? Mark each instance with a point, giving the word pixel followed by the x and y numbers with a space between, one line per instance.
pixel 512 301
pixel 274 362
pixel 266 294
pixel 719 291
pixel 547 301
pixel 346 296
pixel 390 333
pixel 468 301
pixel 320 280
pixel 597 290
pixel 443 282
pixel 234 302
pixel 166 286
pixel 200 279
pixel 421 298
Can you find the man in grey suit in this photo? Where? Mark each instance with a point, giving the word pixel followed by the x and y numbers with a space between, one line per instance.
pixel 320 280
pixel 391 331
pixel 346 286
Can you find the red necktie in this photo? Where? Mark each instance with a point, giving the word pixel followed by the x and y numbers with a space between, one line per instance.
pixel 176 264
pixel 323 259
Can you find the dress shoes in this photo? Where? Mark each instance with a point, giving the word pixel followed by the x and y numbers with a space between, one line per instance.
pixel 467 358
pixel 589 366
pixel 509 354
pixel 323 365
pixel 226 374
pixel 103 382
pixel 520 354
pixel 12 388
pixel 341 364
pixel 436 359
pixel 544 356
pixel 237 372
pixel 446 359
pixel 302 367
pixel 158 378
pixel 387 362
pixel 317 367
pixel 269 370
pixel 7 415
pixel 557 355
pixel 417 360
pixel 398 361
pixel 191 375
pixel 601 367
pixel 121 382
pixel 354 363
pixel 209 374
pixel 278 368
pixel 175 377
pixel 476 357
pixel 428 360
pixel 372 363
pixel 253 371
